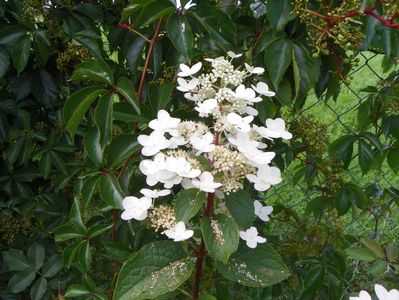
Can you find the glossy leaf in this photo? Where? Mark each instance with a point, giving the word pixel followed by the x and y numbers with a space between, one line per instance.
pixel 103 118
pixel 93 147
pixel 76 106
pixel 94 70
pixel 121 148
pixel 153 11
pixel 179 32
pixel 126 89
pixel 110 191
pixel 277 59
pixel 279 13
pixel 52 266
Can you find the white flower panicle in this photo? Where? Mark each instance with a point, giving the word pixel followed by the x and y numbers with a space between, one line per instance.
pixel 217 158
pixel 381 293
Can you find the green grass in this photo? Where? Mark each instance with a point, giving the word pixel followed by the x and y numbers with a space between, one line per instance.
pixel 345 108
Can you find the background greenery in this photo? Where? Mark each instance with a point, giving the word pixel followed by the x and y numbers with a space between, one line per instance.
pixel 69 156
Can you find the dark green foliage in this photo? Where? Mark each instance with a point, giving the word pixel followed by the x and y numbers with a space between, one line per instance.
pixel 70 115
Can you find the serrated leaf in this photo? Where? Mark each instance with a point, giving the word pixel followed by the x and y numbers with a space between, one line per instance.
pixel 259 267
pixel 188 203
pixel 221 236
pixel 156 269
pixel 241 208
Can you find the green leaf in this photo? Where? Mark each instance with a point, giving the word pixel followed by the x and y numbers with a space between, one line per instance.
pixel 10 34
pixel 392 252
pixel 278 57
pixel 84 255
pixel 365 114
pixel 76 217
pixel 366 156
pixel 221 236
pixel 45 164
pixel 393 159
pixel 90 41
pixel 188 203
pixel 314 278
pixel 94 70
pixel 125 87
pixel 156 269
pixel 103 118
pixel 93 147
pixel 378 267
pixel 241 208
pixel 117 251
pixel 15 260
pixel 152 12
pixel 89 187
pixel 342 148
pixel 361 253
pixel 374 247
pixel 259 267
pixel 305 73
pixel 110 191
pixel 4 62
pixel 217 24
pixel 52 266
pixel 160 95
pixel 38 289
pixel 76 106
pixel 58 162
pixel 279 13
pixel 77 290
pixel 179 32
pixel 71 251
pixel 20 53
pixel 66 232
pixel 349 194
pixel 36 256
pixel 21 280
pixel 121 148
pixel 99 229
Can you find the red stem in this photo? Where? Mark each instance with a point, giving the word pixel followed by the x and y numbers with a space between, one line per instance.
pixel 201 252
pixel 147 59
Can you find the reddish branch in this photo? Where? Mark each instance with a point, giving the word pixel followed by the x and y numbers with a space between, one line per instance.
pixel 332 20
pixel 201 252
pixel 147 59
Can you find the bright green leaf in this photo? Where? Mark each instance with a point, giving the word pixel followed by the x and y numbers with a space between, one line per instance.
pixel 188 203
pixel 221 236
pixel 241 207
pixel 154 270
pixel 259 267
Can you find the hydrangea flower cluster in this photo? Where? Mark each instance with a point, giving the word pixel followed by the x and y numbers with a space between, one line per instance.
pixel 214 158
pixel 381 293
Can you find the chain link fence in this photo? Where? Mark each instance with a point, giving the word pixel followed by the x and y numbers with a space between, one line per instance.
pixel 339 118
